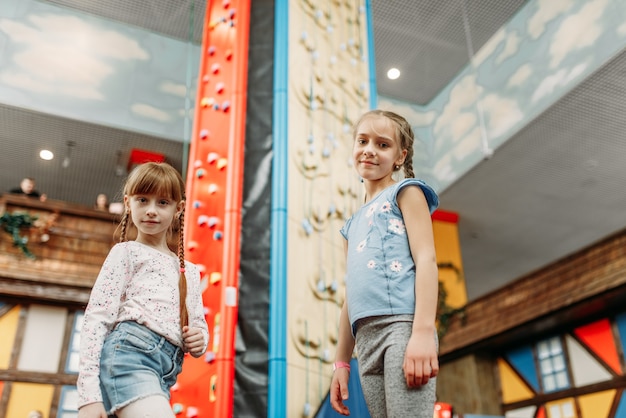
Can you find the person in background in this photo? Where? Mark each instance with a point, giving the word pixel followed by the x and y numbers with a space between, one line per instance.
pixel 102 203
pixel 27 188
pixel 145 309
pixel 390 306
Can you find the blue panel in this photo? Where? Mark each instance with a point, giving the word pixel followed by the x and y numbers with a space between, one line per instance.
pixel 356 401
pixel 66 410
pixel 621 409
pixel 523 362
pixel 277 375
pixel 620 320
pixel 371 55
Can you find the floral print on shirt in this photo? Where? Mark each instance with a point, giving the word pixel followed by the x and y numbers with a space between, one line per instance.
pixel 136 283
pixel 395 266
pixel 396 226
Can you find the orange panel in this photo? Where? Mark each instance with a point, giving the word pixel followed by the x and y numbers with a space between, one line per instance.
pixel 598 337
pixel 213 212
pixel 541 412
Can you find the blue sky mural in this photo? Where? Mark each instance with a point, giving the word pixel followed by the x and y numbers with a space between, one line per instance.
pixel 544 51
pixel 70 64
pixel 62 62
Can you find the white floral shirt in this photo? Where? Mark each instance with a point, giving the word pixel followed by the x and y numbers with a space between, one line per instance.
pixel 136 283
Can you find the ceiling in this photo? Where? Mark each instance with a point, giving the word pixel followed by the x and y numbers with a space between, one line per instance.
pixel 555 187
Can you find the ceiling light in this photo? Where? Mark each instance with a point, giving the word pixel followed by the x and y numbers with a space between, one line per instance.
pixel 44 154
pixel 393 73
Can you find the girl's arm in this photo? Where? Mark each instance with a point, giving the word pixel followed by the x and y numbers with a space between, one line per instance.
pixel 197 319
pixel 345 347
pixel 92 410
pixel 100 317
pixel 345 344
pixel 421 360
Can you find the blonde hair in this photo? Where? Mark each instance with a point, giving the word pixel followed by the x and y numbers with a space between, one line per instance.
pixel 164 180
pixel 404 134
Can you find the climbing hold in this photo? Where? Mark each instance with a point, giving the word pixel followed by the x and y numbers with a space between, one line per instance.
pixel 215 277
pixel 221 163
pixel 212 157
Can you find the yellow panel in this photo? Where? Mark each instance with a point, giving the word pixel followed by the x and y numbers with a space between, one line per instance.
pixel 26 397
pixel 596 405
pixel 8 328
pixel 449 252
pixel 513 388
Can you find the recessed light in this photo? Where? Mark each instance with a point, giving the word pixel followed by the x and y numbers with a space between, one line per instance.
pixel 44 154
pixel 393 73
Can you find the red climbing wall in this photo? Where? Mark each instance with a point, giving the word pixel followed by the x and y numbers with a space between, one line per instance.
pixel 213 212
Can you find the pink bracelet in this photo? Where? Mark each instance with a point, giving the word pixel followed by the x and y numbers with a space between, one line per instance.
pixel 341 365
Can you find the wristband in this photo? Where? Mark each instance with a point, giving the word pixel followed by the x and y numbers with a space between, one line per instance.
pixel 341 365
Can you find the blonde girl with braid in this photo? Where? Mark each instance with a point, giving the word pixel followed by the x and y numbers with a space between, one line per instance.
pixel 391 278
pixel 145 309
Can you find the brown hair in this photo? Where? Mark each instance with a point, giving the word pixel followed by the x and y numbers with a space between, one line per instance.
pixel 164 180
pixel 404 133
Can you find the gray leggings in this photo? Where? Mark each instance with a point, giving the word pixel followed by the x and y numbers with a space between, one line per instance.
pixel 381 342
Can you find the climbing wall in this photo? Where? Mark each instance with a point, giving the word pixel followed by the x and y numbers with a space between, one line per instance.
pixel 213 212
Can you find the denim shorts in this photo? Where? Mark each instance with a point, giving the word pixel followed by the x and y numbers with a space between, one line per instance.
pixel 135 363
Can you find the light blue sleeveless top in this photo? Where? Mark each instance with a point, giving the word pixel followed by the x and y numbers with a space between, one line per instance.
pixel 380 278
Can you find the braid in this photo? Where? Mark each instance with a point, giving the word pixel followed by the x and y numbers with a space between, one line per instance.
pixel 408 162
pixel 182 281
pixel 123 226
pixel 407 138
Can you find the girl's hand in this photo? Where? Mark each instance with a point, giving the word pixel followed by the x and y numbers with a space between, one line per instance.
pixel 92 410
pixel 193 341
pixel 420 359
pixel 339 390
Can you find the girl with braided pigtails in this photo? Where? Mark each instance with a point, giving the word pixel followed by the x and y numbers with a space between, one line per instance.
pixel 391 278
pixel 145 309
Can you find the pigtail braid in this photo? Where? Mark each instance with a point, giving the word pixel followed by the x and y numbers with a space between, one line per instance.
pixel 408 162
pixel 123 226
pixel 182 281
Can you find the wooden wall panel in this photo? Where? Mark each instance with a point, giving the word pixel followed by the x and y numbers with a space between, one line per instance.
pixel 588 282
pixel 66 264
